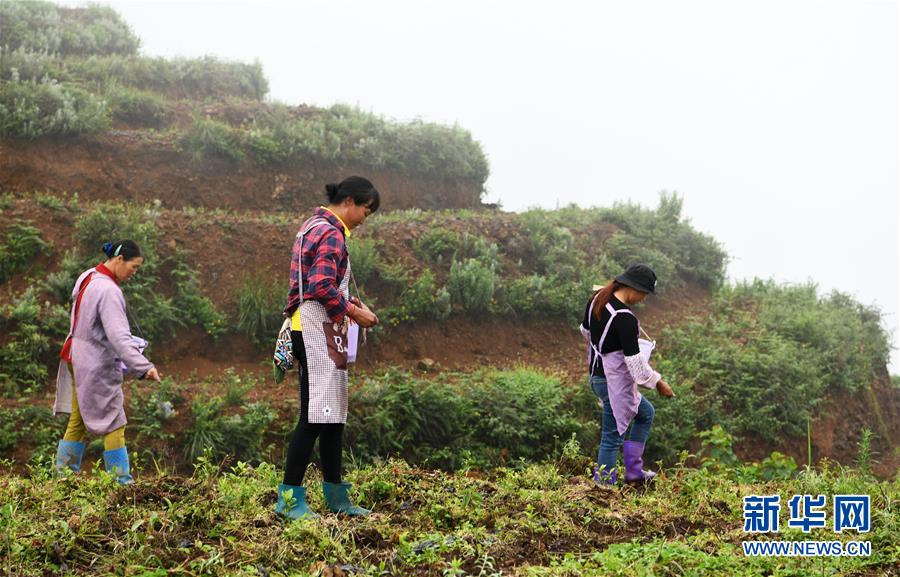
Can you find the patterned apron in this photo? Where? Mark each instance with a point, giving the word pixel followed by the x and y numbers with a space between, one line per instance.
pixel 624 397
pixel 326 352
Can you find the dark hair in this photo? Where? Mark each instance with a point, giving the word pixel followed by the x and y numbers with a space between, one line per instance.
pixel 603 295
pixel 127 249
pixel 358 188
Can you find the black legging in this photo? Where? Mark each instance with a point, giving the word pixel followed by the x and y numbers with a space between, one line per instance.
pixel 330 435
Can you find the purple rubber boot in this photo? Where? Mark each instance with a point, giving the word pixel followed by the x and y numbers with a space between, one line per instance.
pixel 604 476
pixel 634 464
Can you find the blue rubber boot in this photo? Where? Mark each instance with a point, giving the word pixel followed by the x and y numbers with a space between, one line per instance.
pixel 68 455
pixel 116 462
pixel 292 503
pixel 337 496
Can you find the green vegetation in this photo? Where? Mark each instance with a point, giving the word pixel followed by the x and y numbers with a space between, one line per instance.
pixel 536 520
pixel 544 264
pixel 46 27
pixel 36 325
pixel 763 359
pixel 32 330
pixel 209 138
pixel 34 109
pixel 260 302
pixel 471 285
pixel 21 244
pixel 344 134
pixel 478 419
pixel 74 71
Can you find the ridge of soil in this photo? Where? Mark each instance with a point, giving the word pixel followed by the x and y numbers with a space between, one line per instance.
pixel 142 165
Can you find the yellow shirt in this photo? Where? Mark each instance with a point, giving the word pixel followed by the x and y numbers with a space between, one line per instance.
pixel 295 318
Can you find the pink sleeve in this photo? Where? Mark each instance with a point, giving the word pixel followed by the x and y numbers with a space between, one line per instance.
pixel 111 309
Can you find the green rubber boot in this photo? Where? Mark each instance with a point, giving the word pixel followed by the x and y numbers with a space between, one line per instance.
pixel 337 496
pixel 292 503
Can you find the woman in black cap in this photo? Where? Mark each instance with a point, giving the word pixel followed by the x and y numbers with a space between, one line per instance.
pixel 618 366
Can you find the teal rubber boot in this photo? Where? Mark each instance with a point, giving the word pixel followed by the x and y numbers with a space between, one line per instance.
pixel 337 496
pixel 68 455
pixel 292 503
pixel 116 462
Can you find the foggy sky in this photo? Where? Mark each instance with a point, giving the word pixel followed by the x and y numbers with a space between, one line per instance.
pixel 777 121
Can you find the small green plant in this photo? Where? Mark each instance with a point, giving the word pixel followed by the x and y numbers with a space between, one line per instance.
pixel 236 388
pixel 717 451
pixel 437 245
pixel 136 106
pixel 194 307
pixel 22 243
pixel 471 285
pixel 364 259
pixel 152 408
pixel 864 454
pixel 205 432
pixel 260 302
pixel 208 138
pixel 34 330
pixel 50 201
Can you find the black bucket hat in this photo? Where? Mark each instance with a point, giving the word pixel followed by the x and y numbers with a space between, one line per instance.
pixel 639 277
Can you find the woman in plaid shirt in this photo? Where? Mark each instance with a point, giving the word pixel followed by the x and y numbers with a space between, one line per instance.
pixel 321 309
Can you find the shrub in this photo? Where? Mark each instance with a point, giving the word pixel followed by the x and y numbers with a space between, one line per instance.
pixel 421 300
pixel 209 138
pixel 239 434
pixel 22 243
pixel 152 408
pixel 364 259
pixel 478 248
pixel 35 330
pixel 34 109
pixel 471 285
pixel 260 302
pixel 43 26
pixel 761 361
pixel 484 418
pixel 136 106
pixel 193 306
pixel 521 412
pixel 437 244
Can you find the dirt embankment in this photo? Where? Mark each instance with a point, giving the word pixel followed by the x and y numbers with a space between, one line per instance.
pixel 141 166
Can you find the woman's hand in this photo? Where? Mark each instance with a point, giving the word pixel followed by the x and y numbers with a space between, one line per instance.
pixel 664 389
pixel 152 374
pixel 362 315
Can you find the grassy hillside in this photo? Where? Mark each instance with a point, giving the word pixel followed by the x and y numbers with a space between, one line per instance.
pixel 78 72
pixel 758 359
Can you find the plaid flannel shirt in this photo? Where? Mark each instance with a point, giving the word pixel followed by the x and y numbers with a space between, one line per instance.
pixel 324 264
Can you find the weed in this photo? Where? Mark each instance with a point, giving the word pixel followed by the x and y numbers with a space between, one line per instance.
pixel 260 302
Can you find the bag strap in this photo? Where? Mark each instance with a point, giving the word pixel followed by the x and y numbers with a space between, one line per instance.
pixel 304 230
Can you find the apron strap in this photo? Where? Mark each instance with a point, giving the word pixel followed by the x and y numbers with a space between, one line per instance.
pixel 304 230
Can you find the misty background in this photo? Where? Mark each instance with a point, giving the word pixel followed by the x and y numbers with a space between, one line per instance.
pixel 776 121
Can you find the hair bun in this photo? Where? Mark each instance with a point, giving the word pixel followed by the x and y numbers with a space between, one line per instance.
pixel 108 249
pixel 332 189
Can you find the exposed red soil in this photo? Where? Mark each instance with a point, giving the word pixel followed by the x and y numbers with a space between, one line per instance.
pixel 141 166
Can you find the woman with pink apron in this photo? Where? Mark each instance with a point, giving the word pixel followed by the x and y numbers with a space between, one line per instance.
pixel 619 364
pixel 320 310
